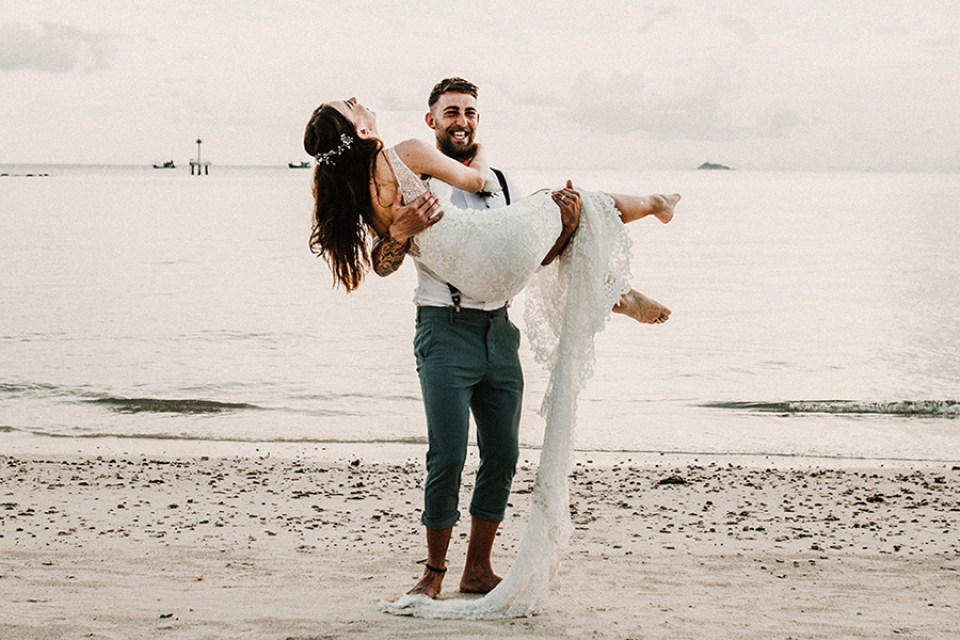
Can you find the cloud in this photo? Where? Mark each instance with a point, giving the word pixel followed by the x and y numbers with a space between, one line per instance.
pixel 781 122
pixel 616 106
pixel 55 48
pixel 741 27
pixel 393 100
pixel 661 14
pixel 696 107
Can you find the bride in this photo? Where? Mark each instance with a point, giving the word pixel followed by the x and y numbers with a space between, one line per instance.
pixel 488 256
pixel 357 180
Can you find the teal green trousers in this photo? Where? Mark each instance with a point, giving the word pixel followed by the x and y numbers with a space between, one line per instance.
pixel 467 361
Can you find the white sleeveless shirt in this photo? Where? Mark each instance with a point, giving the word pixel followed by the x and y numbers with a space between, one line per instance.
pixel 432 291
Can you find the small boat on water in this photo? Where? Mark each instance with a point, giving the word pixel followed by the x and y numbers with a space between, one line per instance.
pixel 305 164
pixel 166 165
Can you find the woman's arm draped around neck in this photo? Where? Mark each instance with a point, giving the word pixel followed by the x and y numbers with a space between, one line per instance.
pixel 426 160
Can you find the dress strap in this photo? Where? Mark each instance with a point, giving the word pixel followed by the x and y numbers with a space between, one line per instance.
pixel 411 186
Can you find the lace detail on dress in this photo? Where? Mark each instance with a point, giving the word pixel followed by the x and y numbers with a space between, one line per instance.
pixel 411 186
pixel 488 254
pixel 567 303
pixel 578 291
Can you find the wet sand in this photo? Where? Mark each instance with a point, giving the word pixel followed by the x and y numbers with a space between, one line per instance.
pixel 172 546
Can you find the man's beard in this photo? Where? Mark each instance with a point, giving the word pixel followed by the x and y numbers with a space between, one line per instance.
pixel 460 153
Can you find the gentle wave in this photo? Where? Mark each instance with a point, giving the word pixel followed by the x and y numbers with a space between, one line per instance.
pixel 189 405
pixel 161 405
pixel 14 389
pixel 906 408
pixel 218 438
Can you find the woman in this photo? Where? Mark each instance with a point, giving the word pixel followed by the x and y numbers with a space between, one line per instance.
pixel 487 255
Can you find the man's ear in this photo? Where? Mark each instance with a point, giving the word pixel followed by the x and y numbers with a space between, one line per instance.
pixel 430 121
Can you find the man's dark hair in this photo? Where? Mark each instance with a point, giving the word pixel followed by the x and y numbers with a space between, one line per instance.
pixel 451 85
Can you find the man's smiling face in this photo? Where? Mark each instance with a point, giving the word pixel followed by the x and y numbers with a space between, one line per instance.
pixel 454 119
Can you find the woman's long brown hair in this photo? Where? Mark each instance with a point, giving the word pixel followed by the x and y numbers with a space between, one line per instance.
pixel 341 192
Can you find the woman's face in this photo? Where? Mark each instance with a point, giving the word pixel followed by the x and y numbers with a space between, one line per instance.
pixel 362 118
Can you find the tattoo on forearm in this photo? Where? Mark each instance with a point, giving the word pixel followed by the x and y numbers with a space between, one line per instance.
pixel 388 254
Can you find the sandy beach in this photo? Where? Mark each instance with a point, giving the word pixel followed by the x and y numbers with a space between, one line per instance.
pixel 179 546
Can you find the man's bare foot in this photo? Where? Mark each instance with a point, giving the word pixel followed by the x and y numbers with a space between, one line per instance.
pixel 641 308
pixel 479 584
pixel 430 583
pixel 662 206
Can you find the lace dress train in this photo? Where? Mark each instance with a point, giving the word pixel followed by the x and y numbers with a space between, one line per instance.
pixel 566 304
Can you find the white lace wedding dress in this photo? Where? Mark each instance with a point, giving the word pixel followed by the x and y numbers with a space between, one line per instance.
pixel 491 255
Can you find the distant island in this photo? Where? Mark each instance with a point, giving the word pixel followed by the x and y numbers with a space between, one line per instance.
pixel 714 165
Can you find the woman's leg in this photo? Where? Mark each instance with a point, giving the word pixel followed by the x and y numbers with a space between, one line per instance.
pixel 636 207
pixel 632 304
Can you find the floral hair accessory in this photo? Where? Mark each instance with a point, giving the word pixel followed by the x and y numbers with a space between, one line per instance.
pixel 328 157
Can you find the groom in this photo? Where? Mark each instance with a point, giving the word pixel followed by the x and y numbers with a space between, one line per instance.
pixel 467 359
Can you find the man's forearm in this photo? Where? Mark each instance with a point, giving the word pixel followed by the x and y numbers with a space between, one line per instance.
pixel 558 246
pixel 568 200
pixel 387 255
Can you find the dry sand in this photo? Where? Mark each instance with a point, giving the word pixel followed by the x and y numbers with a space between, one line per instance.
pixel 263 547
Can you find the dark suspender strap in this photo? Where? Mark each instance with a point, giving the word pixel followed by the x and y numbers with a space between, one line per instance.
pixel 503 184
pixel 456 296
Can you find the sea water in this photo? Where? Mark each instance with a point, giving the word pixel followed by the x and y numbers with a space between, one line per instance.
pixel 814 314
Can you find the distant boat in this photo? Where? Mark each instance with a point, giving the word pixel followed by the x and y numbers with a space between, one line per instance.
pixel 305 164
pixel 166 165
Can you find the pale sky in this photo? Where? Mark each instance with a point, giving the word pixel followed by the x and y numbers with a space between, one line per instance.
pixel 755 84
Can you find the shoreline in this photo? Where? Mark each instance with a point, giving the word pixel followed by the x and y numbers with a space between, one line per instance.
pixel 270 546
pixel 27 444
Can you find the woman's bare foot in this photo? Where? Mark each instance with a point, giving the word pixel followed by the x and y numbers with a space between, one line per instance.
pixel 641 308
pixel 662 206
pixel 636 207
pixel 430 583
pixel 479 583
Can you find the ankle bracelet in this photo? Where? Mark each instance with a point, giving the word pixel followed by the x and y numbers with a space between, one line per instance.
pixel 434 569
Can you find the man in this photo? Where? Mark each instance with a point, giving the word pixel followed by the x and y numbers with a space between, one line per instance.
pixel 467 359
pixel 467 356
